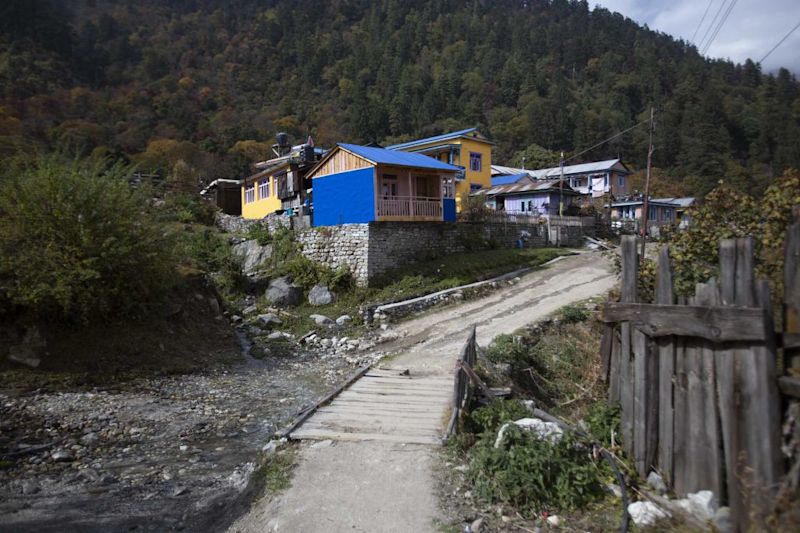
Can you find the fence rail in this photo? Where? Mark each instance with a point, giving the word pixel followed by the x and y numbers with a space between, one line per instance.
pixel 409 206
pixel 696 377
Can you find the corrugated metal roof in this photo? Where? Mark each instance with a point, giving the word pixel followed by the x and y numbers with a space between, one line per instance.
pixel 680 202
pixel 506 180
pixel 443 137
pixel 528 187
pixel 554 172
pixel 391 157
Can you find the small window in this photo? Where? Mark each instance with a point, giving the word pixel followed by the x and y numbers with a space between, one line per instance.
pixel 475 161
pixel 250 194
pixel 652 215
pixel 448 189
pixel 621 181
pixel 263 189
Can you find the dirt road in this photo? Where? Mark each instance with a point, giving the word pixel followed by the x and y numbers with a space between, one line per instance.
pixel 375 486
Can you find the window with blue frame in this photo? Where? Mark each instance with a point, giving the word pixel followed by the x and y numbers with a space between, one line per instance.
pixel 475 161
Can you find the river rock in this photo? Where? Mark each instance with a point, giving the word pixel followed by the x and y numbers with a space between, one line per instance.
pixel 252 254
pixel 645 513
pixel 62 456
pixel 250 310
pixel 344 320
pixel 320 295
pixel 657 483
pixel 269 319
pixel 321 320
pixel 282 292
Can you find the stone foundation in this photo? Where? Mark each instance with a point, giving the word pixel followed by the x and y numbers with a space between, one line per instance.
pixel 369 250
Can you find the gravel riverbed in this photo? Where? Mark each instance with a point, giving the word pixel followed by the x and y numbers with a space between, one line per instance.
pixel 151 454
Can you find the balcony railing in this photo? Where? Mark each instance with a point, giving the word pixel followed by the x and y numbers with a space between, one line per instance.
pixel 410 206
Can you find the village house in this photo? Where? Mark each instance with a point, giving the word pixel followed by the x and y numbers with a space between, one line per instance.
pixel 661 211
pixel 595 180
pixel 526 196
pixel 281 184
pixel 358 184
pixel 467 149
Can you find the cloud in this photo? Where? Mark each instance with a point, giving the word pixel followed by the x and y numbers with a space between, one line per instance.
pixel 751 30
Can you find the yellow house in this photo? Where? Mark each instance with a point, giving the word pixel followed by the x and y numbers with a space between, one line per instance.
pixel 467 149
pixel 260 192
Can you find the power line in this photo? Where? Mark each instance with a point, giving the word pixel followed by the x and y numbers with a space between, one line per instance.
pixel 779 43
pixel 719 27
pixel 713 21
pixel 710 3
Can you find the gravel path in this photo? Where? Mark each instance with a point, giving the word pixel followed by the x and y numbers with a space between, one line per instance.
pixel 374 486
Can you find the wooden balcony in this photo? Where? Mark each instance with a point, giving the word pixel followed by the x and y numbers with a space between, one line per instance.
pixel 409 208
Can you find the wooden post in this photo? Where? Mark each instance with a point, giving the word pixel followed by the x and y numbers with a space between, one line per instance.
pixel 748 398
pixel 630 268
pixel 666 370
pixel 791 289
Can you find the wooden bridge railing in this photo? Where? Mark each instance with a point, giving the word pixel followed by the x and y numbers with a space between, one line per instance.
pixel 461 384
pixel 696 378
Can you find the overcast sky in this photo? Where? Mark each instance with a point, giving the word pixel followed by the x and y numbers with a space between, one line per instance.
pixel 752 28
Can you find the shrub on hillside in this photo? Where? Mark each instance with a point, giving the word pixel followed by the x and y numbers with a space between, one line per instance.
pixel 76 242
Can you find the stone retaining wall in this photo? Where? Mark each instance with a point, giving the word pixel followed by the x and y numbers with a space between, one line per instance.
pixel 339 246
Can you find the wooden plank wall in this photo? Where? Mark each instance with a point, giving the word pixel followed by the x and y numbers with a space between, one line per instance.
pixel 341 161
pixel 697 382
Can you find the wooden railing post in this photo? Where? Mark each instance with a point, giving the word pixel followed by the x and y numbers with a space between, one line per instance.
pixel 791 290
pixel 630 269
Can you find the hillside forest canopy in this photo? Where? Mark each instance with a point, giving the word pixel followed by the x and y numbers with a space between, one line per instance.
pixel 200 87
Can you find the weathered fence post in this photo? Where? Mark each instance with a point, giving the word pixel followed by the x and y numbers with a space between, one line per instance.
pixel 666 370
pixel 630 270
pixel 791 290
pixel 748 397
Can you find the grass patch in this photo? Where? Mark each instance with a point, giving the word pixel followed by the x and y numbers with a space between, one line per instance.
pixel 274 471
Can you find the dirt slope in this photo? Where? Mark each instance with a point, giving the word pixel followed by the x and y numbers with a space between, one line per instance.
pixel 373 486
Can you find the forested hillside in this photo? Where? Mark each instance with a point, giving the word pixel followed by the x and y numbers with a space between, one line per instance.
pixel 199 87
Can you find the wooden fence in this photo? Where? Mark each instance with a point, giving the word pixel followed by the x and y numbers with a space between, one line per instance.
pixel 462 392
pixel 696 377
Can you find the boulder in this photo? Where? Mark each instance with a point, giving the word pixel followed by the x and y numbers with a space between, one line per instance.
pixel 282 292
pixel 645 513
pixel 321 320
pixel 29 352
pixel 320 295
pixel 269 319
pixel 544 430
pixel 344 320
pixel 252 254
pixel 657 483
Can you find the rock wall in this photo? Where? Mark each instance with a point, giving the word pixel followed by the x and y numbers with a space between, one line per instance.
pixel 236 224
pixel 339 246
pixel 369 250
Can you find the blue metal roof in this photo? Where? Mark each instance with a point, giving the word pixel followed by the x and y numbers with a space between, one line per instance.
pixel 507 180
pixel 444 136
pixel 404 159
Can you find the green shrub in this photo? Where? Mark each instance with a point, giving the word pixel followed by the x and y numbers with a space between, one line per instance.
pixel 260 233
pixel 571 314
pixel 497 413
pixel 76 242
pixel 507 349
pixel 211 252
pixel 603 420
pixel 189 209
pixel 534 474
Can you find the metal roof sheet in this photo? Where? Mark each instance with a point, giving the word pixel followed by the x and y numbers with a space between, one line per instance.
pixel 680 202
pixel 404 159
pixel 528 187
pixel 554 172
pixel 444 136
pixel 505 180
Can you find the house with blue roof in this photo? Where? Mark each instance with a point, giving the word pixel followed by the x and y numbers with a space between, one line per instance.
pixel 355 184
pixel 467 149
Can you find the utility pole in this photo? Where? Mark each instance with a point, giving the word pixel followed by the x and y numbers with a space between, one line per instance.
pixel 646 204
pixel 561 188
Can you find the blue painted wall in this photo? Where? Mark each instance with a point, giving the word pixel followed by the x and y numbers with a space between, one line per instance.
pixel 345 198
pixel 449 209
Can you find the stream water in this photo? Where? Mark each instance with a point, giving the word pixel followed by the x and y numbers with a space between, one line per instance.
pixel 156 454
